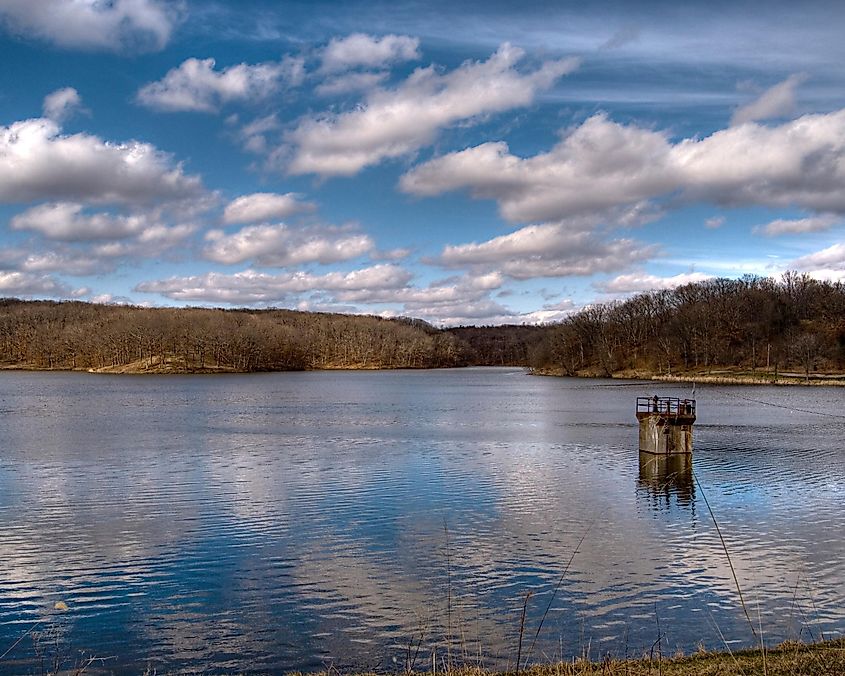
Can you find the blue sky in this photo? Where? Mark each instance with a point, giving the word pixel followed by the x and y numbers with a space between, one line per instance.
pixel 460 162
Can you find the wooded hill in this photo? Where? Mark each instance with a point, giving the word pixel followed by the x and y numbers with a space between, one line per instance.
pixel 75 335
pixel 796 323
pixel 754 323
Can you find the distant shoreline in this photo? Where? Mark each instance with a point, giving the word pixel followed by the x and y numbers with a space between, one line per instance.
pixel 721 376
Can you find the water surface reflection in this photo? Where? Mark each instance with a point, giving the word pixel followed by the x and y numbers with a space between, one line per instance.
pixel 290 521
pixel 667 479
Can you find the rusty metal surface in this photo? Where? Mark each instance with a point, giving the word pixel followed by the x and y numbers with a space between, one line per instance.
pixel 672 406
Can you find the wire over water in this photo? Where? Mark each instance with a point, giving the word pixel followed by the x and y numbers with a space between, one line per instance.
pixel 788 408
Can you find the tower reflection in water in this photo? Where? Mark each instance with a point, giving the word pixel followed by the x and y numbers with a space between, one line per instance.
pixel 665 479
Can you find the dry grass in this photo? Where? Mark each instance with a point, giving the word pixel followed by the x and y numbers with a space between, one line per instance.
pixel 789 659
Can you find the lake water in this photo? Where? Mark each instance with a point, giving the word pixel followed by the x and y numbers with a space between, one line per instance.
pixel 286 521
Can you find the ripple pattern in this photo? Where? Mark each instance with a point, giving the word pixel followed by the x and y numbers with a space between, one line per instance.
pixel 280 522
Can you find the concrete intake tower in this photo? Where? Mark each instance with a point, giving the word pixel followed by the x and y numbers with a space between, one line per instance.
pixel 665 425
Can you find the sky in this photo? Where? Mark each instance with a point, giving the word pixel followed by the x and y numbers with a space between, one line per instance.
pixel 458 162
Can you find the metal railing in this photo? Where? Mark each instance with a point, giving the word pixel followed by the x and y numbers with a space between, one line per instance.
pixel 666 405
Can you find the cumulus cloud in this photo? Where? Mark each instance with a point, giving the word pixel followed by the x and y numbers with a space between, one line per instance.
pixel 547 250
pixel 251 287
pixel 82 243
pixel 366 51
pixel 159 239
pixel 454 300
pixel 778 101
pixel 639 282
pixel 833 257
pixel 461 299
pixel 714 222
pixel 38 162
pixel 264 206
pixel 281 246
pixel 465 300
pixel 438 297
pixel 92 24
pixel 254 135
pixel 61 104
pixel 394 122
pixel 601 166
pixel 196 86
pixel 65 221
pixel 598 166
pixel 25 284
pixel 67 261
pixel 798 226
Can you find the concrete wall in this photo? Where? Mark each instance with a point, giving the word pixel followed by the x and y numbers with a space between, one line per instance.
pixel 665 435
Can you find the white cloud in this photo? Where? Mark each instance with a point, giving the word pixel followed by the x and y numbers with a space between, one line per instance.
pixel 37 162
pixel 432 299
pixel 25 284
pixel 264 206
pixel 714 222
pixel 65 221
pixel 833 257
pixel 778 101
pixel 547 250
pixel 94 243
pixel 282 246
pixel 250 287
pixel 638 282
pixel 601 167
pixel 73 262
pixel 254 135
pixel 395 122
pixel 61 104
pixel 93 24
pixel 798 226
pixel 463 299
pixel 466 301
pixel 196 86
pixel 102 257
pixel 597 167
pixel 156 240
pixel 360 50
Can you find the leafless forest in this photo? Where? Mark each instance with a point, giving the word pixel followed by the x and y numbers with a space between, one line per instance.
pixel 795 323
pixel 74 335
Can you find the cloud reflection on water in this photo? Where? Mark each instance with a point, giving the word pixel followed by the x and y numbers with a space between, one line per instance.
pixel 297 519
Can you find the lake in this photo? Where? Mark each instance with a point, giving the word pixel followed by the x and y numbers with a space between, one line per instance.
pixel 371 520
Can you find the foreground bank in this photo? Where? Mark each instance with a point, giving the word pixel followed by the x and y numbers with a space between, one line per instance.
pixel 789 659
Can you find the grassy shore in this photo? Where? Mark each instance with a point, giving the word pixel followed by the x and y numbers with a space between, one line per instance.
pixel 716 376
pixel 789 659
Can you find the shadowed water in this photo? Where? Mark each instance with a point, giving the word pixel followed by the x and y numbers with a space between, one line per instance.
pixel 289 521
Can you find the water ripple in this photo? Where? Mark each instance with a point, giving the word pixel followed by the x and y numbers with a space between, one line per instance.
pixel 291 521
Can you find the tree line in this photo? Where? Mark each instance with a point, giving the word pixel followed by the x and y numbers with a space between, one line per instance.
pixel 794 323
pixel 77 335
